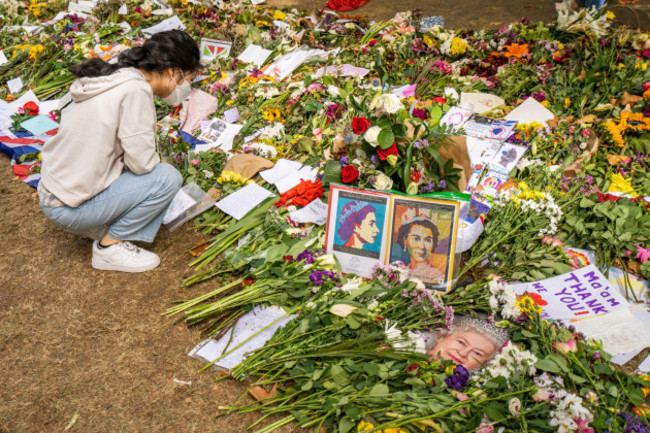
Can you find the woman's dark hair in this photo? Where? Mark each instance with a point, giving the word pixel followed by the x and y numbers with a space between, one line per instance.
pixel 170 49
pixel 352 215
pixel 405 230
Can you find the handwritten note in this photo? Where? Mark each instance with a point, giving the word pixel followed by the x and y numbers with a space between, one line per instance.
pixel 619 331
pixel 480 102
pixel 484 127
pixel 455 117
pixel 242 201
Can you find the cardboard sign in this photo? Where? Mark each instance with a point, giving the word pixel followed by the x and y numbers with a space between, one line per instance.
pixel 214 49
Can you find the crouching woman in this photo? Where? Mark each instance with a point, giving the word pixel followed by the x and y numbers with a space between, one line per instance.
pixel 101 175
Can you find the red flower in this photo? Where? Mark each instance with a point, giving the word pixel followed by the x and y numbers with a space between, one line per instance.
pixel 607 197
pixel 302 194
pixel 287 259
pixel 415 175
pixel 412 367
pixel 349 174
pixel 360 125
pixel 439 100
pixel 384 153
pixel 31 108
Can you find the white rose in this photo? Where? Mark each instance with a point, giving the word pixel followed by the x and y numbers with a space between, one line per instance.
pixel 372 135
pixel 391 103
pixel 382 182
pixel 326 260
pixel 514 406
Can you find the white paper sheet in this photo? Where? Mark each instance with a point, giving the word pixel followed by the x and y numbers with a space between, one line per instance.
pixel 644 367
pixel 468 233
pixel 624 358
pixel 483 127
pixel 172 23
pixel 242 201
pixel 15 85
pixel 481 151
pixel 25 98
pixel 507 158
pixel 286 64
pixel 530 111
pixel 45 107
pixel 3 58
pixel 315 212
pixel 282 168
pixel 122 10
pixel 247 326
pixel 180 203
pixel 254 54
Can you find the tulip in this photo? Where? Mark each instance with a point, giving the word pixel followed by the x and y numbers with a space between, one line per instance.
pixel 566 347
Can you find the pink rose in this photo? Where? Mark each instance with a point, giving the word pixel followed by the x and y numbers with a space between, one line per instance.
pixel 195 162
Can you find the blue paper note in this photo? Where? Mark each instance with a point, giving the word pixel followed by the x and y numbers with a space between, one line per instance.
pixel 39 124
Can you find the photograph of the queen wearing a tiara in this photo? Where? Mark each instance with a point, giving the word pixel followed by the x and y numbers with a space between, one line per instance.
pixel 359 226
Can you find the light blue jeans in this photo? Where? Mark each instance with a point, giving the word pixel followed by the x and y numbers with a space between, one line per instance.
pixel 130 209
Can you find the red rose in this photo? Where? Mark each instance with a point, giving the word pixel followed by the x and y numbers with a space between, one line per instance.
pixel 383 153
pixel 439 100
pixel 349 174
pixel 31 108
pixel 360 125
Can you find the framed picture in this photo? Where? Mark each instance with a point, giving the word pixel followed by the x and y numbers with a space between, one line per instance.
pixel 357 224
pixel 423 237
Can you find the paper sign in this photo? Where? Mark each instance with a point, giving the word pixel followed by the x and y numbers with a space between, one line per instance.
pixel 3 58
pixel 254 54
pixel 214 49
pixel 484 127
pixel 180 203
pixel 15 85
pixel 231 115
pixel 173 23
pixel 242 201
pixel 455 117
pixel 530 111
pixel 345 70
pixel 249 334
pixel 315 212
pixel 480 102
pixel 579 294
pixel 38 125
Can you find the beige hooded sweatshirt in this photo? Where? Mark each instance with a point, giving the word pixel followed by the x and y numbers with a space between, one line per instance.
pixel 110 126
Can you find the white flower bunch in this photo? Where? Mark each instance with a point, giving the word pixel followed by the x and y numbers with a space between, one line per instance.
pixel 510 362
pixel 583 20
pixel 263 150
pixel 567 411
pixel 409 341
pixel 274 131
pixel 503 299
pixel 266 92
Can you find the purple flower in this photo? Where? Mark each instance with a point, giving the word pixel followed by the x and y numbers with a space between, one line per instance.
pixel 633 424
pixel 344 161
pixel 420 144
pixel 442 184
pixel 458 380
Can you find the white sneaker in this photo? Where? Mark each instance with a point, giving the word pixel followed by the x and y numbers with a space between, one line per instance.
pixel 124 257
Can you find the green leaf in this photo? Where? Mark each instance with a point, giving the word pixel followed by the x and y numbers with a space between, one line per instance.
pixel 384 122
pixel 495 410
pixel 339 375
pixel 346 424
pixel 386 138
pixel 379 390
pixel 370 368
pixel 332 173
pixel 399 131
pixel 547 365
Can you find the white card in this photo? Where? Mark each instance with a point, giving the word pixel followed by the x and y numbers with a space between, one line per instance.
pixel 15 85
pixel 27 97
pixel 619 331
pixel 315 212
pixel 455 117
pixel 3 58
pixel 214 49
pixel 244 200
pixel 286 183
pixel 254 54
pixel 122 10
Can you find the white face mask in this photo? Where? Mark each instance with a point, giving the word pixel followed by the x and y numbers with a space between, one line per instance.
pixel 180 92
